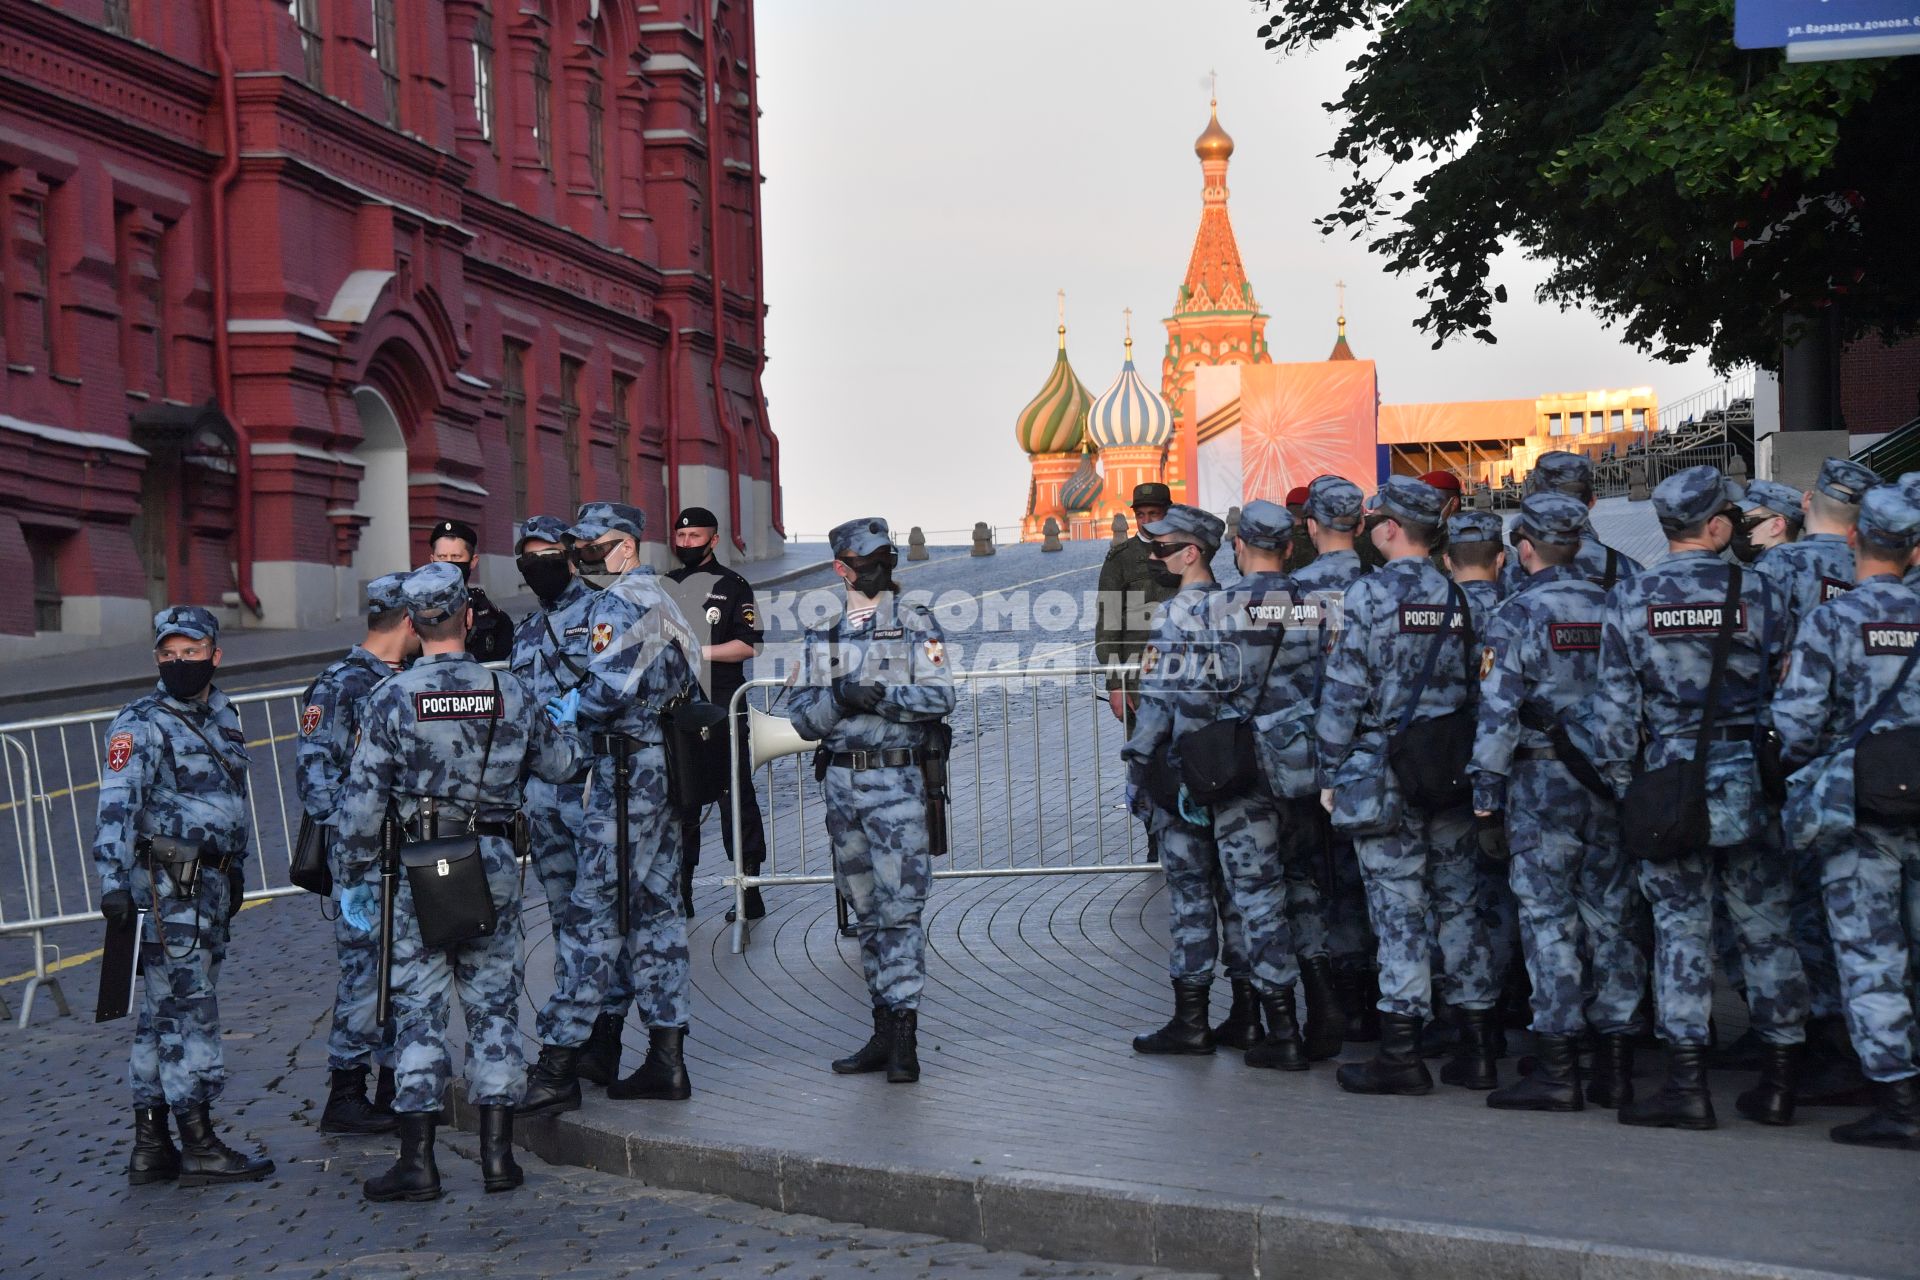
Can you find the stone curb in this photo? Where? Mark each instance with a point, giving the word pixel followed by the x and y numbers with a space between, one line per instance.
pixel 1087 1219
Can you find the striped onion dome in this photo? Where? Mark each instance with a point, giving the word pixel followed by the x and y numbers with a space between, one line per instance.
pixel 1083 487
pixel 1055 421
pixel 1129 412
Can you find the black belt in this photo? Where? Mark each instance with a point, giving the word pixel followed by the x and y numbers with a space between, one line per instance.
pixel 215 860
pixel 1536 753
pixel 887 758
pixel 1730 733
pixel 455 827
pixel 606 744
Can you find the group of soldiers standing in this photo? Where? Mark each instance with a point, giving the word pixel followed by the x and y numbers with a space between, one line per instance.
pixel 410 742
pixel 1511 778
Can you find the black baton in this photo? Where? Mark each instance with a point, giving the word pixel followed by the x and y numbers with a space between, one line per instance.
pixel 389 888
pixel 621 796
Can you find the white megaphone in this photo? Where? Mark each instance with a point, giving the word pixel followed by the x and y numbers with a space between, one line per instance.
pixel 774 736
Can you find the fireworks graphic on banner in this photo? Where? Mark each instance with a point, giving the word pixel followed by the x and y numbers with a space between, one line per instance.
pixel 1302 421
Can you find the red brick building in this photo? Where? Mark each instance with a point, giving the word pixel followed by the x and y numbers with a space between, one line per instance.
pixel 282 282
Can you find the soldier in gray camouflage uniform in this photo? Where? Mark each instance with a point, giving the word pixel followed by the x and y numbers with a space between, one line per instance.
pixel 641 656
pixel 1771 515
pixel 176 770
pixel 550 657
pixel 1655 659
pixel 1559 471
pixel 443 747
pixel 874 687
pixel 1847 658
pixel 1572 881
pixel 1421 882
pixel 329 728
pixel 1816 567
pixel 1333 510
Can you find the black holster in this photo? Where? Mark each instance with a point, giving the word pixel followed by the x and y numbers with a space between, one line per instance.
pixel 180 859
pixel 933 770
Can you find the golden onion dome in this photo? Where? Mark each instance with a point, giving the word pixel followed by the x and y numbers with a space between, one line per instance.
pixel 1215 143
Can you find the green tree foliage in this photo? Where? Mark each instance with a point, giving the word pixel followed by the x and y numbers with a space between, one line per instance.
pixel 1627 145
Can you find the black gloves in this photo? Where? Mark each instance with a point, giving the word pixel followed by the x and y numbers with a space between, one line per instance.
pixel 1491 833
pixel 117 908
pixel 855 696
pixel 236 890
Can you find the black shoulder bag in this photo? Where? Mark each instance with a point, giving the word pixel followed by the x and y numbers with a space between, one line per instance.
pixel 448 875
pixel 308 868
pixel 1430 757
pixel 1221 759
pixel 1664 816
pixel 1886 765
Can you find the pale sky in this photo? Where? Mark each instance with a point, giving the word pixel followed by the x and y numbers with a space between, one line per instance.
pixel 936 172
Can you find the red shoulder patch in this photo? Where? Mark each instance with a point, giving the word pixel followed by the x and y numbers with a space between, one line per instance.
pixel 310 719
pixel 119 751
pixel 602 636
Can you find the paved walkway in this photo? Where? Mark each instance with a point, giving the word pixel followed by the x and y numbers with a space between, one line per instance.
pixel 66 1210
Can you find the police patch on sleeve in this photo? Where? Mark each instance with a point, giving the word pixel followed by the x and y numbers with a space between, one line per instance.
pixel 310 719
pixel 602 636
pixel 746 615
pixel 1486 661
pixel 119 751
pixel 936 652
pixel 456 704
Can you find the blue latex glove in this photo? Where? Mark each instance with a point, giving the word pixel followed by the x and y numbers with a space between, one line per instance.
pixel 1191 812
pixel 359 906
pixel 564 709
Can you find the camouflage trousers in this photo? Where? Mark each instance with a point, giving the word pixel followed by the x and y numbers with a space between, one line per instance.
pixel 877 826
pixel 1872 887
pixel 1755 881
pixel 1252 869
pixel 1349 934
pixel 1203 920
pixel 485 975
pixel 556 818
pixel 1303 851
pixel 1422 889
pixel 1574 891
pixel 1811 937
pixel 177 1059
pixel 658 970
pixel 355 1041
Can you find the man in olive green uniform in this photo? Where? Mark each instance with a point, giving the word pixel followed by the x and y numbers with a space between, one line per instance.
pixel 1129 592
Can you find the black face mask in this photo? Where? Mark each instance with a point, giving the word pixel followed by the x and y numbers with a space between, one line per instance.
pixel 185 680
pixel 693 556
pixel 1163 576
pixel 465 567
pixel 873 579
pixel 547 574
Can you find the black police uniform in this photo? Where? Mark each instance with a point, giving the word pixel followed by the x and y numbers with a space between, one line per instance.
pixel 727 613
pixel 490 639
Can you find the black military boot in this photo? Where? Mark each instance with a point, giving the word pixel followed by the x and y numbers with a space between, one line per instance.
pixel 1829 1072
pixel 1770 1101
pixel 1476 1062
pixel 1893 1122
pixel 154 1158
pixel 1396 1067
pixel 1359 1000
pixel 383 1091
pixel 903 1047
pixel 1242 1028
pixel 1683 1101
pixel 871 1056
pixel 662 1076
pixel 497 1167
pixel 1281 1048
pixel 1742 1054
pixel 1552 1085
pixel 1326 1021
pixel 1188 1032
pixel 347 1109
pixel 553 1083
pixel 1440 1035
pixel 1611 1084
pixel 205 1160
pixel 413 1176
pixel 599 1061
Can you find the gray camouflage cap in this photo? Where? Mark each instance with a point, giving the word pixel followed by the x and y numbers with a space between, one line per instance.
pixel 1551 518
pixel 860 537
pixel 1336 502
pixel 1688 497
pixel 1264 524
pixel 188 620
pixel 434 593
pixel 1202 527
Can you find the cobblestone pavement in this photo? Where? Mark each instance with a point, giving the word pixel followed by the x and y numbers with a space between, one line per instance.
pixel 66 1210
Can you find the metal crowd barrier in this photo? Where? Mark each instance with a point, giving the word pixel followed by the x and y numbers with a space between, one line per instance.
pixel 50 773
pixel 1066 816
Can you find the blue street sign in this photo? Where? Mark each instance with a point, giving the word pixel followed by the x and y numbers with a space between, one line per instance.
pixel 1821 30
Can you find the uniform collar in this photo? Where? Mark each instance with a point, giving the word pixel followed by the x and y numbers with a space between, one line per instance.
pixel 440 659
pixel 1821 537
pixel 1265 580
pixel 1558 573
pixel 575 589
pixel 1880 577
pixel 216 701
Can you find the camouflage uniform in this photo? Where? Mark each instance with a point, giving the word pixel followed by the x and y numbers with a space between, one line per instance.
pixel 550 656
pixel 329 727
pixel 876 812
pixel 1322 586
pixel 417 743
pixel 1568 872
pixel 1848 651
pixel 175 768
pixel 642 661
pixel 1655 657
pixel 1571 474
pixel 1412 860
